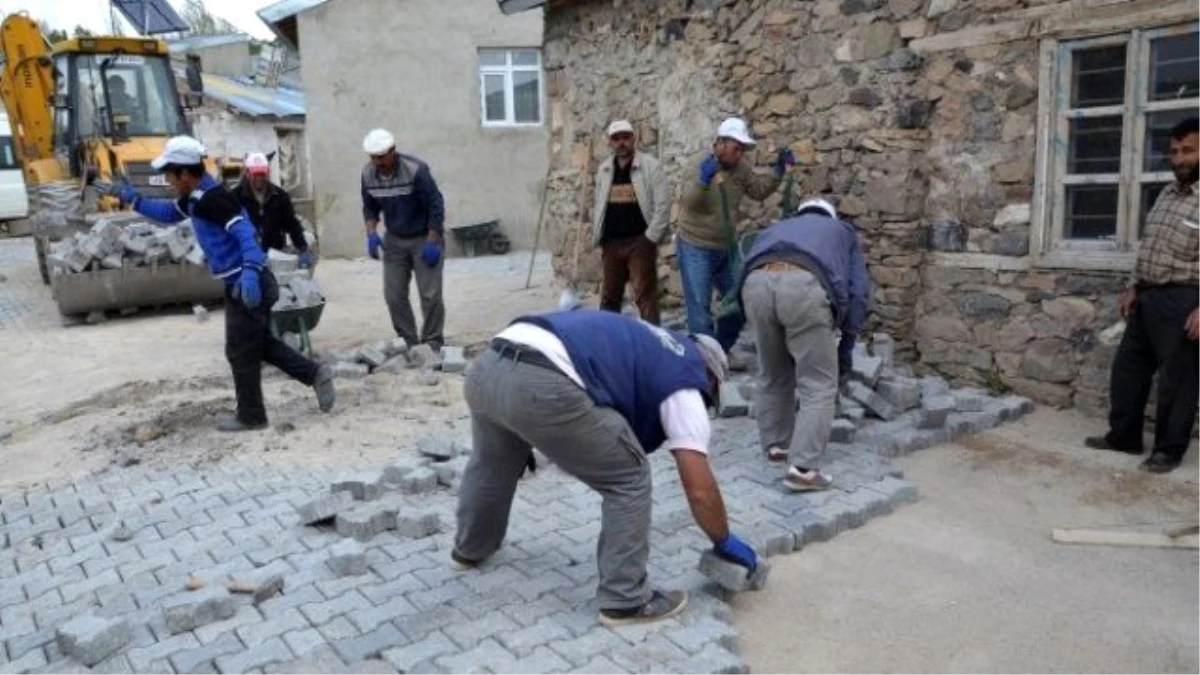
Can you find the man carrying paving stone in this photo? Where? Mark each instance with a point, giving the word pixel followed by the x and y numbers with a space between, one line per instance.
pixel 234 255
pixel 804 278
pixel 596 391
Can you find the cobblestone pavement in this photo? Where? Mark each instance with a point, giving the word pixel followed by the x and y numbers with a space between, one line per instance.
pixel 529 609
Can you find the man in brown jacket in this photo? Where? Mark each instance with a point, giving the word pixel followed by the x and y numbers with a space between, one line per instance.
pixel 705 238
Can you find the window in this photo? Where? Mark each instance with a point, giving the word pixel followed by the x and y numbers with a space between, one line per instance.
pixel 1113 102
pixel 510 87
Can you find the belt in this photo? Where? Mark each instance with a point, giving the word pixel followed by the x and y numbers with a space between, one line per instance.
pixel 782 266
pixel 522 354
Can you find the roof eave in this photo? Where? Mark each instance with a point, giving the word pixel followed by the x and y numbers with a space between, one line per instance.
pixel 515 6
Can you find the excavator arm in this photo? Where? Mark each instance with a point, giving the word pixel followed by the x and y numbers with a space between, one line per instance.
pixel 27 86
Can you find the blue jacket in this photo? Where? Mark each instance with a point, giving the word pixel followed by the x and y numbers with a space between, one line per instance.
pixel 628 365
pixel 222 227
pixel 829 249
pixel 409 200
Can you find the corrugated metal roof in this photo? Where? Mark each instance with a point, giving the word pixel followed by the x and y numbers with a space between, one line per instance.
pixel 205 41
pixel 253 100
pixel 514 6
pixel 286 8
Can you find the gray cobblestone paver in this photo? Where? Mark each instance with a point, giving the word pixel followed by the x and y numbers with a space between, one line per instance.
pixel 529 609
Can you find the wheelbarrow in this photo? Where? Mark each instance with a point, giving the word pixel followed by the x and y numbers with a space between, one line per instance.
pixel 486 234
pixel 300 320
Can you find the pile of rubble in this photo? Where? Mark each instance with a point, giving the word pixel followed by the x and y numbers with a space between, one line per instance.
pixel 395 356
pixel 122 240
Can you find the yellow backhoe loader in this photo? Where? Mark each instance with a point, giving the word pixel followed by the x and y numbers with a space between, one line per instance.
pixel 96 110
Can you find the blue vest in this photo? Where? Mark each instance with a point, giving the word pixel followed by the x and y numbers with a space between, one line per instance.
pixel 222 248
pixel 628 365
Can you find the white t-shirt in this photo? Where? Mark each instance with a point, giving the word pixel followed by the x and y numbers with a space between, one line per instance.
pixel 683 414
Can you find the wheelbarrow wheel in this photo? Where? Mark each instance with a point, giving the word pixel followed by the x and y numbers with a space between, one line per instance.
pixel 498 243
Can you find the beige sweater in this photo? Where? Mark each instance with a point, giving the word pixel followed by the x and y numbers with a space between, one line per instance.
pixel 700 215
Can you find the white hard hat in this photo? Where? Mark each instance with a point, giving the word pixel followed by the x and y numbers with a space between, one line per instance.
pixel 736 129
pixel 714 356
pixel 180 151
pixel 378 141
pixel 257 164
pixel 620 127
pixel 819 204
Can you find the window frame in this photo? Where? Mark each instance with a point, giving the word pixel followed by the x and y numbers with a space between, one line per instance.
pixel 507 71
pixel 1048 244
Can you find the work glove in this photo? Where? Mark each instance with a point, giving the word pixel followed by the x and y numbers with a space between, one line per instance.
pixel 784 161
pixel 845 352
pixel 736 551
pixel 431 253
pixel 249 288
pixel 373 244
pixel 307 259
pixel 125 192
pixel 708 170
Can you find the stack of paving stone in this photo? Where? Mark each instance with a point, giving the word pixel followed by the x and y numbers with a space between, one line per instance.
pixel 297 291
pixel 124 240
pixel 395 356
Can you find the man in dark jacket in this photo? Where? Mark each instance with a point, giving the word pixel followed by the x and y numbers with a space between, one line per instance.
pixel 804 279
pixel 270 208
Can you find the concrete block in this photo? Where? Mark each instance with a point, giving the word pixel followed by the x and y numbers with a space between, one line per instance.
pixel 732 404
pixel 731 576
pixel 347 559
pixel 935 410
pixel 200 312
pixel 395 347
pixel 419 481
pixel 397 470
pixel 866 368
pixel 364 521
pixel 394 365
pixel 842 431
pixel 90 639
pixel 448 471
pixel 934 386
pixel 188 611
pixel 418 524
pixel 350 371
pixel 902 393
pixel 436 448
pixel 323 509
pixel 195 256
pixel 883 347
pixel 363 487
pixel 873 402
pixel 970 400
pixel 1017 406
pixel 371 356
pixel 279 261
pixel 422 356
pixel 112 261
pixel 453 359
pixel 178 245
pixel 307 292
pixel 76 259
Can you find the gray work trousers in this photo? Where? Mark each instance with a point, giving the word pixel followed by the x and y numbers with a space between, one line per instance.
pixel 401 261
pixel 515 406
pixel 793 325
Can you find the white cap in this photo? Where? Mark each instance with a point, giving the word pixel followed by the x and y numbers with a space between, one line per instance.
pixel 257 164
pixel 714 356
pixel 620 127
pixel 378 141
pixel 180 150
pixel 736 129
pixel 818 204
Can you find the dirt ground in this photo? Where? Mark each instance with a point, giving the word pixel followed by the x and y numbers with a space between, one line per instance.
pixel 147 389
pixel 967 579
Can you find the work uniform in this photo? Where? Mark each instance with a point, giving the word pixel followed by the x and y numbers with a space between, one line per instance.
pixel 411 206
pixel 273 215
pixel 629 221
pixel 804 279
pixel 596 392
pixel 230 245
pixel 1167 280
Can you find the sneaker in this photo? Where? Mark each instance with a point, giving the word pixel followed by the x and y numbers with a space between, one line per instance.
pixel 662 605
pixel 326 393
pixel 777 454
pixel 461 564
pixel 231 424
pixel 1101 443
pixel 1160 462
pixel 806 480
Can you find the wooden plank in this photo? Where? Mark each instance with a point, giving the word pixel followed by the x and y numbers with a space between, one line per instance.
pixel 974 37
pixel 1123 538
pixel 1117 18
pixel 1075 7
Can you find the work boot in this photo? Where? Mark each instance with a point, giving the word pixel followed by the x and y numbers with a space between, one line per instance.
pixel 326 393
pixel 662 605
pixel 230 423
pixel 1102 443
pixel 1160 462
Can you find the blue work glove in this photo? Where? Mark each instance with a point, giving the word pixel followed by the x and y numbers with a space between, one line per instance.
pixel 736 551
pixel 431 253
pixel 783 161
pixel 249 288
pixel 708 169
pixel 373 244
pixel 125 192
pixel 307 259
